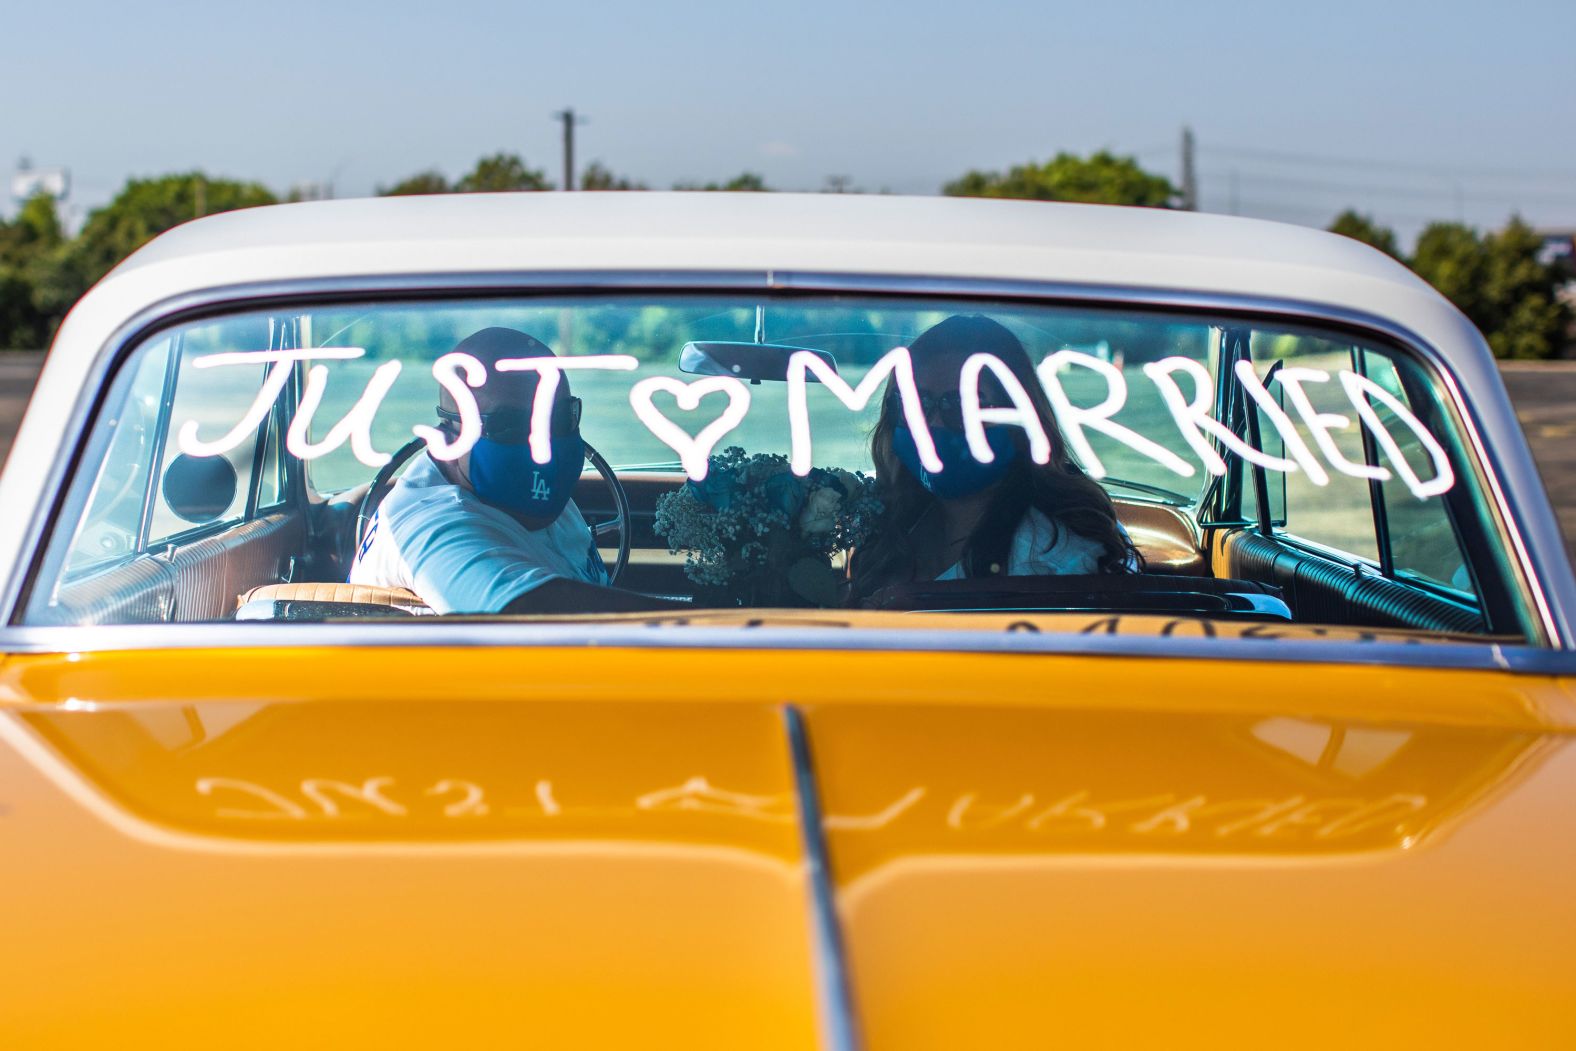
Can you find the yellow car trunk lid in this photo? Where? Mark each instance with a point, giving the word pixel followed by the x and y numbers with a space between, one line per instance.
pixel 394 874
pixel 1034 878
pixel 419 846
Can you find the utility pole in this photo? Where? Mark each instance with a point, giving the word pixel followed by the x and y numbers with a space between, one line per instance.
pixel 566 315
pixel 567 116
pixel 1189 173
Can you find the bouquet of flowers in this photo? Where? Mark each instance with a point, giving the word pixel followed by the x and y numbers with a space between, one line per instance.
pixel 756 534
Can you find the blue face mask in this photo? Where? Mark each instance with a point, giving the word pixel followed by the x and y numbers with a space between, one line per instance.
pixel 505 476
pixel 961 474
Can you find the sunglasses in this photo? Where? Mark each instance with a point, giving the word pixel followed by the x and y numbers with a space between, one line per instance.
pixel 947 406
pixel 513 426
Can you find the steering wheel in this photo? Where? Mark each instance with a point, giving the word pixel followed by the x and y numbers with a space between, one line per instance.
pixel 619 523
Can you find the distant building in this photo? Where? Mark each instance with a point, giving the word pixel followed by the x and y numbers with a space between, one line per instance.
pixel 29 181
pixel 311 191
pixel 1559 249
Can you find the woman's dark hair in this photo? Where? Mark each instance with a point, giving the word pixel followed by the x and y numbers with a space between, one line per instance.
pixel 1057 488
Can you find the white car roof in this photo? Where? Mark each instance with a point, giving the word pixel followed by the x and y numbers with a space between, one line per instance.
pixel 853 233
pixel 771 233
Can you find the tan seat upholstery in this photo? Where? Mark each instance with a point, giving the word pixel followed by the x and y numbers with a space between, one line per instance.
pixel 364 594
pixel 1164 536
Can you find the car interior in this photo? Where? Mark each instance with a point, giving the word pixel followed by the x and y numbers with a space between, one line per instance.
pixel 271 547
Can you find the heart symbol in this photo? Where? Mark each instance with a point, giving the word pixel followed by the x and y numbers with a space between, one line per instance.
pixel 693 451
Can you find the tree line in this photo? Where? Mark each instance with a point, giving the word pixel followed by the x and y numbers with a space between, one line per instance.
pixel 1494 277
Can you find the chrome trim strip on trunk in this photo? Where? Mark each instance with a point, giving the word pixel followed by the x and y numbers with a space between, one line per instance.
pixel 1020 638
pixel 834 998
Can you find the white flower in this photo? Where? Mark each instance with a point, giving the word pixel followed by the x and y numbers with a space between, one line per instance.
pixel 850 481
pixel 820 512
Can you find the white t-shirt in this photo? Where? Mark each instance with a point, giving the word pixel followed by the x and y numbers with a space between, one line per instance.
pixel 1033 555
pixel 461 554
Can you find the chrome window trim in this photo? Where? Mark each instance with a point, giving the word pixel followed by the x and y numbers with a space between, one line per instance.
pixel 369 634
pixel 1536 567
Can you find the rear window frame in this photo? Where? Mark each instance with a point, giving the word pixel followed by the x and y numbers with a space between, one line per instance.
pixel 1516 564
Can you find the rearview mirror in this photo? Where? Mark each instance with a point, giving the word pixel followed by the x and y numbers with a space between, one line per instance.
pixel 748 361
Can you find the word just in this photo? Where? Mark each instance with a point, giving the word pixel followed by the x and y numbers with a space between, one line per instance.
pixel 459 374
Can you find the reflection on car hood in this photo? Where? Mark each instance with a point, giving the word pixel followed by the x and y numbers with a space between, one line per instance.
pixel 404 848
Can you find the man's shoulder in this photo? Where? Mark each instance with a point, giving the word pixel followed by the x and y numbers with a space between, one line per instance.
pixel 424 486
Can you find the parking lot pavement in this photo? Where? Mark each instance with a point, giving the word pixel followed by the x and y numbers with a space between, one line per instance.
pixel 1544 394
pixel 18 370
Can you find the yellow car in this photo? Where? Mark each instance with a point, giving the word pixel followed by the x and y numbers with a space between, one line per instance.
pixel 745 621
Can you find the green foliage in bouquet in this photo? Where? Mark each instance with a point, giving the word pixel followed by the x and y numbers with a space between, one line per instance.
pixel 756 534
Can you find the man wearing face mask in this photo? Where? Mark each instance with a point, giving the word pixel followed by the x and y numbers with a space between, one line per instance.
pixel 493 531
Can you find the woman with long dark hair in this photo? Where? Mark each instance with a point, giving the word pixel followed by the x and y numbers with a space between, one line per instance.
pixel 1012 516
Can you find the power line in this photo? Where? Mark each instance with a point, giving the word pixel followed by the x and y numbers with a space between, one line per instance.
pixel 1395 189
pixel 1443 171
pixel 1260 208
pixel 1333 161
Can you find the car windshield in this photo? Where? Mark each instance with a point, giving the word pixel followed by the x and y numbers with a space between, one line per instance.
pixel 669 455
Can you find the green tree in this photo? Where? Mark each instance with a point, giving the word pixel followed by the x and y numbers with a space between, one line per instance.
pixel 1528 320
pixel 18 323
pixel 1359 227
pixel 31 248
pixel 38 223
pixel 1498 283
pixel 1101 178
pixel 145 208
pixel 1450 257
pixel 54 280
pixel 426 182
pixel 744 182
pixel 596 177
pixel 501 172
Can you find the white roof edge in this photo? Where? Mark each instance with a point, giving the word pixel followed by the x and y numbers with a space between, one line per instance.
pixel 639 229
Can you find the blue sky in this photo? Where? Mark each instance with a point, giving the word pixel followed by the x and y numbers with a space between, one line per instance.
pixel 1409 110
